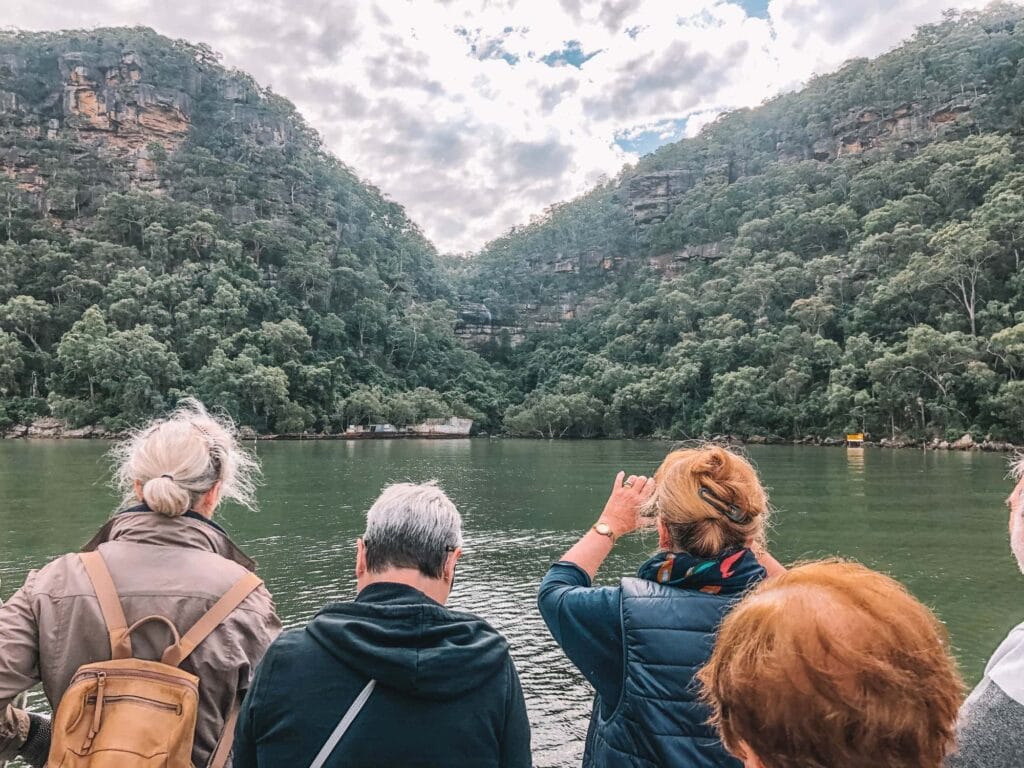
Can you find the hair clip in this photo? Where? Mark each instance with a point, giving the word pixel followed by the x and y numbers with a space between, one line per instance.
pixel 731 511
pixel 212 447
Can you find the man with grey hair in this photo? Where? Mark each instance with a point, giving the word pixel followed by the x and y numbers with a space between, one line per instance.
pixel 393 677
pixel 990 733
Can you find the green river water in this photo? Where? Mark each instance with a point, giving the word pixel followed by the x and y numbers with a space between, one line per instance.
pixel 936 521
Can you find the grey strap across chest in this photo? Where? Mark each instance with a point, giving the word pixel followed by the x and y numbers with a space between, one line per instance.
pixel 345 722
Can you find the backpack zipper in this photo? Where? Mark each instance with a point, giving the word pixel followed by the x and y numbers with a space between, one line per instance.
pixel 134 673
pixel 141 700
pixel 97 713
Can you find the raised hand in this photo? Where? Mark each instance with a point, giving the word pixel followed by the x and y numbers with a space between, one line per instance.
pixel 622 510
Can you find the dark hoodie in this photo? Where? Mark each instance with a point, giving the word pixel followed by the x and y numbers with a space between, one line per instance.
pixel 447 692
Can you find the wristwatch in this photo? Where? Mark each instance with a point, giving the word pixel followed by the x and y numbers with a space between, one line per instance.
pixel 603 529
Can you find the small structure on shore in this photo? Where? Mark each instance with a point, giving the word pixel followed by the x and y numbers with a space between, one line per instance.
pixel 451 427
pixel 432 428
pixel 855 440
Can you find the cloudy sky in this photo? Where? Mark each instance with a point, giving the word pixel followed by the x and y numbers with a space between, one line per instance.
pixel 476 114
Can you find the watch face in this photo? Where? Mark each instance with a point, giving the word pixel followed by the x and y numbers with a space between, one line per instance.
pixel 603 528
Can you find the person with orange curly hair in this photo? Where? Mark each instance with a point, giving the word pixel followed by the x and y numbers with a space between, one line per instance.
pixel 641 642
pixel 833 665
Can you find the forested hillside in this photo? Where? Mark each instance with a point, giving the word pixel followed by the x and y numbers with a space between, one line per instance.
pixel 168 226
pixel 847 257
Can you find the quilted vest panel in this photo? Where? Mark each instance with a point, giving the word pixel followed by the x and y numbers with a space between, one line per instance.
pixel 669 634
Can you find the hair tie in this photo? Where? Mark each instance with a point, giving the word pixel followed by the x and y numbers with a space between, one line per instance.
pixel 169 477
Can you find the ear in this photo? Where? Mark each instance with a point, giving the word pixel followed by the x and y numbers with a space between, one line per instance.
pixel 209 500
pixel 449 564
pixel 664 540
pixel 212 497
pixel 137 485
pixel 1016 503
pixel 360 558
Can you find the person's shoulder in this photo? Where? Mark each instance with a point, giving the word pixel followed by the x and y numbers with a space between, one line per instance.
pixel 61 577
pixel 1016 635
pixel 289 649
pixel 290 641
pixel 471 620
pixel 990 731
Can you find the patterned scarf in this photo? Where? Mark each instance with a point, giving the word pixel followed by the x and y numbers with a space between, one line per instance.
pixel 731 573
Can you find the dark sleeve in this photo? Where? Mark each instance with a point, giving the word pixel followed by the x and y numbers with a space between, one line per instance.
pixel 585 621
pixel 244 754
pixel 990 733
pixel 515 748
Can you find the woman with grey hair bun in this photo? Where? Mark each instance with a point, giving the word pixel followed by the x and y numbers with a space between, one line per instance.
pixel 162 555
pixel 185 463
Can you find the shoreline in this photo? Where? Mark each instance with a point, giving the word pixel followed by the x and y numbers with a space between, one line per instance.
pixel 51 429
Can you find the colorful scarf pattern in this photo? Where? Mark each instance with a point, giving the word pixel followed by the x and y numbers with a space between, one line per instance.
pixel 732 572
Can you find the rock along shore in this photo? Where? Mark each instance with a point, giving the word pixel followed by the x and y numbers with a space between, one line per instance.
pixel 54 429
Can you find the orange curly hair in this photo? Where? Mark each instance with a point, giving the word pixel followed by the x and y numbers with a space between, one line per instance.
pixel 832 664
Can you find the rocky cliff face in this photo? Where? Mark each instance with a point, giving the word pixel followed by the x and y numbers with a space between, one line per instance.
pixel 652 196
pixel 97 104
pixel 910 125
pixel 671 263
pixel 109 114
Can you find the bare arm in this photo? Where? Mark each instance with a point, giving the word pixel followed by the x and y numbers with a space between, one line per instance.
pixel 769 563
pixel 621 514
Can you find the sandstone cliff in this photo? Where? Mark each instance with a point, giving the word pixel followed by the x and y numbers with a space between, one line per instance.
pixel 653 196
pixel 96 107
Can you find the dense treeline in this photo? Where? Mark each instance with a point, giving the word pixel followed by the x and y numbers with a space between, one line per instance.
pixel 880 291
pixel 262 275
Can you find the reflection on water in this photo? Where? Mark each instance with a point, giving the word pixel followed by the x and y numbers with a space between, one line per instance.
pixel 855 460
pixel 927 518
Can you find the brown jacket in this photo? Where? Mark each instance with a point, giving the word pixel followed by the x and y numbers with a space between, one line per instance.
pixel 174 567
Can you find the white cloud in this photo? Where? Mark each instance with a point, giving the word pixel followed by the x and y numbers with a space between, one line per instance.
pixel 451 108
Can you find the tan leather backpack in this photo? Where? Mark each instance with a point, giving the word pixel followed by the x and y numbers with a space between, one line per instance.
pixel 132 713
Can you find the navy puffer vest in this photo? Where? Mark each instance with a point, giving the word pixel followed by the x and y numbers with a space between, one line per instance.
pixel 669 634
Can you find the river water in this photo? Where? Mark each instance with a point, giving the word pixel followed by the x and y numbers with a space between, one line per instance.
pixel 936 521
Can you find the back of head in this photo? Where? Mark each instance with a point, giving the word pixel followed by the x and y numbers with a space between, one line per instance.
pixel 710 500
pixel 832 664
pixel 179 458
pixel 412 526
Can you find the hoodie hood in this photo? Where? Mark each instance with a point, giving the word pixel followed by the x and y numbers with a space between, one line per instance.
pixel 400 637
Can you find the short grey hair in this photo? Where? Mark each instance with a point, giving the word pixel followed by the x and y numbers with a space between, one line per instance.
pixel 412 526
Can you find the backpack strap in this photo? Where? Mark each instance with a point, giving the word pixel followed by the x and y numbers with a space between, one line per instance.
pixel 343 725
pixel 110 604
pixel 212 619
pixel 227 738
pixel 202 629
